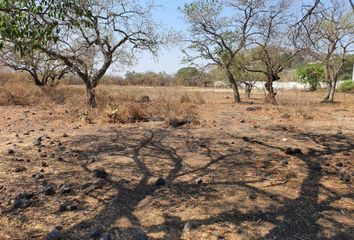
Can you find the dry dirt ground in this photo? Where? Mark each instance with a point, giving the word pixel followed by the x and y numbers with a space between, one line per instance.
pixel 227 177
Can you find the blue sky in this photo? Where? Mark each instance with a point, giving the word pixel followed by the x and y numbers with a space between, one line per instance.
pixel 169 60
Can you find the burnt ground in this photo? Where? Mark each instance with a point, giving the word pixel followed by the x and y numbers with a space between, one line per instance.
pixel 228 177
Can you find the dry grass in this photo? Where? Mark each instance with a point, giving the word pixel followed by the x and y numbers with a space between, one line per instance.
pixel 122 106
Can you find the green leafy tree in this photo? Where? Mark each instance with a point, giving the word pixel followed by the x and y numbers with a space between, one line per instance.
pixel 188 75
pixel 311 74
pixel 88 36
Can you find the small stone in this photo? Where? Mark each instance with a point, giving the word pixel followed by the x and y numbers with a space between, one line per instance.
pixel 105 236
pixel 160 182
pixel 43 155
pixel 44 164
pixel 95 232
pixel 327 164
pixel 344 176
pixel 20 169
pixel 252 109
pixel 38 176
pixel 65 189
pixel 285 162
pixel 293 151
pixel 68 207
pixel 84 225
pixel 54 235
pixel 139 236
pixel 11 152
pixel 65 135
pixel 60 159
pixel 38 142
pixel 100 173
pixel 246 139
pixel 23 200
pixel 242 121
pixel 49 190
pixel 339 132
pixel 144 99
pixel 252 195
pixel 52 155
pixel 339 164
pixel 199 181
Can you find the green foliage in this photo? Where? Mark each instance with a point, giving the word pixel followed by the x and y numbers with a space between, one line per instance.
pixel 311 74
pixel 31 23
pixel 347 69
pixel 187 75
pixel 346 86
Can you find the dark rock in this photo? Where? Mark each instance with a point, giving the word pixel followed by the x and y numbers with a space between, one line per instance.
pixel 60 159
pixel 285 162
pixel 84 225
pixel 11 152
pixel 95 232
pixel 54 235
pixel 38 142
pixel 293 151
pixel 246 139
pixel 344 176
pixel 157 119
pixel 144 99
pixel 252 195
pixel 52 155
pixel 44 164
pixel 65 189
pixel 20 169
pixel 65 135
pixel 252 109
pixel 175 123
pixel 199 181
pixel 339 132
pixel 42 170
pixel 49 190
pixel 160 182
pixel 327 164
pixel 23 200
pixel 339 164
pixel 105 236
pixel 68 207
pixel 38 175
pixel 100 173
pixel 242 121
pixel 139 236
pixel 43 155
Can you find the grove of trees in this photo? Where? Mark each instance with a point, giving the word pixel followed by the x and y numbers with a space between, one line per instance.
pixel 246 41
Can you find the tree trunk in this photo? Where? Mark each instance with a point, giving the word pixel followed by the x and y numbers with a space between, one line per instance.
pixel 91 96
pixel 231 78
pixel 332 92
pixel 270 97
pixel 329 89
pixel 248 90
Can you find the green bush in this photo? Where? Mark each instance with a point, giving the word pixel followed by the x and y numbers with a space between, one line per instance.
pixel 311 74
pixel 346 86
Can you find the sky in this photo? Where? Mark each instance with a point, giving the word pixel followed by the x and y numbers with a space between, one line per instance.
pixel 169 60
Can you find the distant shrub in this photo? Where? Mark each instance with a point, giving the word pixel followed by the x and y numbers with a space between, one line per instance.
pixel 346 86
pixel 311 74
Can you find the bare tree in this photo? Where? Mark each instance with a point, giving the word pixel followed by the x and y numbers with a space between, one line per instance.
pixel 44 70
pixel 274 46
pixel 329 37
pixel 95 34
pixel 218 31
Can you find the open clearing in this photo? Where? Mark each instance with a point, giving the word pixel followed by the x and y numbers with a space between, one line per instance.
pixel 228 176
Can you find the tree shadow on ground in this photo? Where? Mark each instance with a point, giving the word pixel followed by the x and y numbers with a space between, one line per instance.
pixel 300 215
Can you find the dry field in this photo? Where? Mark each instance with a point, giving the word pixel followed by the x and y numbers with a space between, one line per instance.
pixel 226 174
